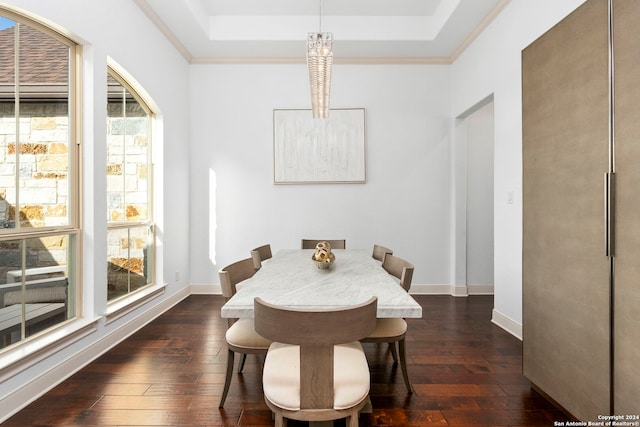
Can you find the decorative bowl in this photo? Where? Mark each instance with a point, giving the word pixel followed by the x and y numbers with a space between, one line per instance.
pixel 323 257
pixel 324 264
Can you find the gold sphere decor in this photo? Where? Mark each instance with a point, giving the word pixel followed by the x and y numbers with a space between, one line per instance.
pixel 323 257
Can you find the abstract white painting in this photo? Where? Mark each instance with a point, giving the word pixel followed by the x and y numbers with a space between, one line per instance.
pixel 308 150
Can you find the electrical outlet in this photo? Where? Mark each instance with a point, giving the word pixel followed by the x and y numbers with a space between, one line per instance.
pixel 177 276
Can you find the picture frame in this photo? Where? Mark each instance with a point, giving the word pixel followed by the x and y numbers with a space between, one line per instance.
pixel 315 151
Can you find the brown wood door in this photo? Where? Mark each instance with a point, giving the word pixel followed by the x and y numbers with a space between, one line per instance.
pixel 565 155
pixel 627 217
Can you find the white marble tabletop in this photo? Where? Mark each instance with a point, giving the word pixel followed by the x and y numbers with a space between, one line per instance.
pixel 292 279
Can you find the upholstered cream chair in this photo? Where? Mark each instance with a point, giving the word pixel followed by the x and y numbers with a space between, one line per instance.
pixel 260 254
pixel 316 369
pixel 241 335
pixel 379 252
pixel 394 330
pixel 335 244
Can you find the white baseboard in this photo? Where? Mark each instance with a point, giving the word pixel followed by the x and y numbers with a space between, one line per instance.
pixel 506 323
pixel 419 289
pixel 205 289
pixel 38 386
pixel 480 289
pixel 456 291
pixel 459 291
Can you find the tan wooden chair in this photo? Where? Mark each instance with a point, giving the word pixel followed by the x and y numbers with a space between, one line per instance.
pixel 316 369
pixel 400 269
pixel 260 254
pixel 379 252
pixel 241 335
pixel 335 244
pixel 394 330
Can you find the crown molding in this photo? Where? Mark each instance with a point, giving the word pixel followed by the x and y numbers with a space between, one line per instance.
pixel 164 29
pixel 424 60
pixel 488 19
pixel 248 60
pixel 439 60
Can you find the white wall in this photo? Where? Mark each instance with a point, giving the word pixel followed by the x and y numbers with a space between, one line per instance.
pixel 403 205
pixel 217 129
pixel 491 65
pixel 118 29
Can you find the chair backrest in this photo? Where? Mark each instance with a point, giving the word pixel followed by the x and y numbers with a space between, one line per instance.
pixel 335 244
pixel 316 332
pixel 259 254
pixel 233 274
pixel 379 252
pixel 399 268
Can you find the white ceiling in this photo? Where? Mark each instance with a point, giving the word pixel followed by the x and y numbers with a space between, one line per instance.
pixel 421 31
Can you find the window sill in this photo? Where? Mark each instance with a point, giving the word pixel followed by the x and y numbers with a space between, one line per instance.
pixel 127 304
pixel 34 350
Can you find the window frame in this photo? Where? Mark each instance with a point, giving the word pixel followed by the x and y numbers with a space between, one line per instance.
pixel 32 347
pixel 130 298
pixel 75 133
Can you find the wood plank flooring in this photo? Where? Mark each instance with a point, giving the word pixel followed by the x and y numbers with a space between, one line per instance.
pixel 465 370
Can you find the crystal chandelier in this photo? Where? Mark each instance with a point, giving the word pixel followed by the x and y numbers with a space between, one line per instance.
pixel 319 60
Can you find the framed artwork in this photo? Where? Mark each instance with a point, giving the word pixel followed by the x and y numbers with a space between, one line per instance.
pixel 311 151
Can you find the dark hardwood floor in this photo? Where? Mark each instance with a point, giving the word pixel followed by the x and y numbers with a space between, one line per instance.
pixel 465 370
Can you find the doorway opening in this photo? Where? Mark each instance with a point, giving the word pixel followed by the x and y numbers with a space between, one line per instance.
pixel 474 201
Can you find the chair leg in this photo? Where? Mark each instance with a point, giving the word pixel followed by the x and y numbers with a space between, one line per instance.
pixel 403 363
pixel 353 419
pixel 394 352
pixel 227 380
pixel 241 365
pixel 280 421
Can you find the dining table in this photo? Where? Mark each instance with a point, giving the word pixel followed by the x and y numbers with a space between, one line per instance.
pixel 292 279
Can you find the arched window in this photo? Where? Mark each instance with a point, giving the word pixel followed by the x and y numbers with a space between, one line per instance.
pixel 130 237
pixel 39 197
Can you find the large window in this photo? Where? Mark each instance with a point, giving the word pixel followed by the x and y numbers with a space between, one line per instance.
pixel 129 170
pixel 39 226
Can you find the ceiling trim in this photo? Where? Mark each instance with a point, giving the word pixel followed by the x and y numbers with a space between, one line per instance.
pixel 164 29
pixel 440 60
pixel 488 19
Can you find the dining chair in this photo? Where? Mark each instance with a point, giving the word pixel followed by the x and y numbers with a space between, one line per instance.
pixel 335 244
pixel 394 330
pixel 400 269
pixel 260 254
pixel 379 252
pixel 241 335
pixel 316 369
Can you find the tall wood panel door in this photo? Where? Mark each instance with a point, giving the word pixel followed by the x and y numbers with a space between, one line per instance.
pixel 565 155
pixel 626 325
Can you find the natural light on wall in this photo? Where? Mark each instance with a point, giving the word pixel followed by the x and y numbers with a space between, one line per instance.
pixel 212 216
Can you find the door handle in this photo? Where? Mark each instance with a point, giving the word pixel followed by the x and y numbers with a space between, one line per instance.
pixel 609 213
